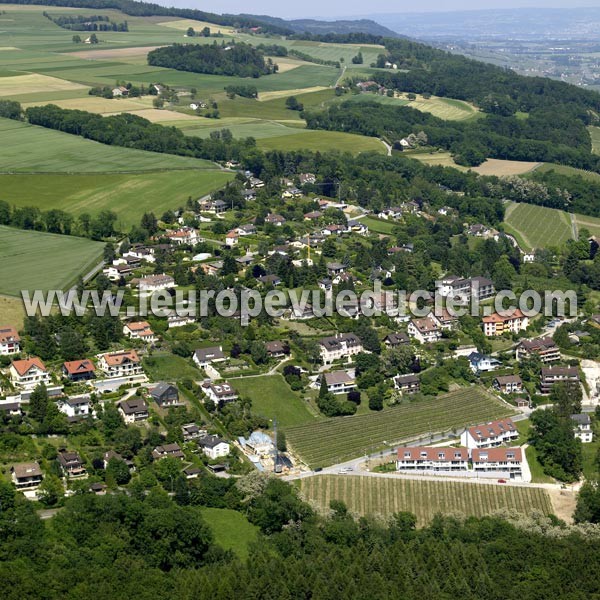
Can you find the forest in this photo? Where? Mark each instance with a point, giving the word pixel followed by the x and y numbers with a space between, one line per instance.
pixel 234 59
pixel 87 23
pixel 148 545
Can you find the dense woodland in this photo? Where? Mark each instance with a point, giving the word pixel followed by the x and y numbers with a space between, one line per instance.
pixel 87 23
pixel 148 545
pixel 235 59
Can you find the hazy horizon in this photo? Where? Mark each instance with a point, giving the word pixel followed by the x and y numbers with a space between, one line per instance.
pixel 340 9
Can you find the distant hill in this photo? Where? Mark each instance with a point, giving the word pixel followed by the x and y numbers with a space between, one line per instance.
pixel 323 27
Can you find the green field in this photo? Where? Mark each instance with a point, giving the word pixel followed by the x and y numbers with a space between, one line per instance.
pixel 32 260
pixel 595 135
pixel 231 529
pixel 568 171
pixel 272 398
pixel 128 195
pixel 335 440
pixel 379 225
pixel 29 149
pixel 537 226
pixel 11 311
pixel 386 496
pixel 169 367
pixel 323 141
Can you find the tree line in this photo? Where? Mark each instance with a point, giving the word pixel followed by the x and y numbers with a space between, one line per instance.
pixel 87 23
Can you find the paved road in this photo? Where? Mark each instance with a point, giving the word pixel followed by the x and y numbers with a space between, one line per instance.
pixel 387 147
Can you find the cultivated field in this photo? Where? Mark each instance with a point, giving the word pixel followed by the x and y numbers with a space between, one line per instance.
pixel 184 24
pixel 569 171
pixel 323 141
pixel 537 226
pixel 272 398
pixel 340 439
pixel 595 135
pixel 11 311
pixel 128 195
pixel 379 226
pixel 27 148
pixel 33 82
pixel 266 96
pixel 95 104
pixel 386 496
pixel 505 168
pixel 32 260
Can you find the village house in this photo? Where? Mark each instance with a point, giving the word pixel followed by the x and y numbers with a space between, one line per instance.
pixel 583 427
pixel 205 356
pixel 394 340
pixel 545 348
pixel 213 446
pixel 425 331
pixel 509 384
pixel 232 239
pixel 432 459
pixel 11 409
pixel 110 454
pixel 71 464
pixel 307 178
pixel 497 460
pixel 357 227
pixel 219 393
pixel 478 230
pixel 393 212
pixel 142 253
pixel 249 194
pixel 179 320
pixel 276 220
pixel 481 363
pixel 212 268
pixel 165 395
pixel 339 382
pixel 116 272
pixel 79 370
pixel 120 91
pixel 276 349
pixel 26 476
pixel 156 283
pixel 75 407
pixel 271 279
pixel 168 450
pixel 28 373
pixel 184 236
pixel 444 319
pixel 333 229
pixel 461 290
pixel 335 268
pixel 255 182
pixel 140 330
pixel 126 363
pixel 313 215
pixel 339 346
pixel 244 230
pixel 489 435
pixel 292 192
pixel 557 374
pixel 496 324
pixel 191 432
pixel 133 410
pixel 10 341
pixel 407 384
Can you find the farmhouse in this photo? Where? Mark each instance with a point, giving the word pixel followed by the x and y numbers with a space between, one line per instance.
pixel 425 331
pixel 509 384
pixel 407 384
pixel 26 476
pixel 219 393
pixel 583 427
pixel 214 447
pixel 545 348
pixel 79 370
pixel 496 324
pixel 205 356
pixel 120 364
pixel 552 375
pixel 498 460
pixel 490 434
pixel 119 91
pixel 165 394
pixel 140 330
pixel 10 341
pixel 28 373
pixel 339 382
pixel 341 345
pixel 71 464
pixel 432 459
pixel 133 410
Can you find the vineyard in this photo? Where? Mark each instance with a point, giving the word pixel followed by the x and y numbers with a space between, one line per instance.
pixel 386 496
pixel 340 439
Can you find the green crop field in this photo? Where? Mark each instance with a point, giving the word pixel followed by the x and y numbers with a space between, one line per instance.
pixel 323 141
pixel 568 171
pixel 386 496
pixel 335 440
pixel 30 149
pixel 595 135
pixel 379 226
pixel 169 367
pixel 537 226
pixel 272 398
pixel 32 260
pixel 129 195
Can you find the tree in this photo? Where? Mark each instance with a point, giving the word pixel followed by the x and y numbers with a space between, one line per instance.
pixel 50 491
pixel 358 59
pixel 118 471
pixel 281 441
pixel 292 104
pixel 158 102
pixel 588 503
pixel 190 32
pixel 93 39
pixel 76 39
pixel 38 403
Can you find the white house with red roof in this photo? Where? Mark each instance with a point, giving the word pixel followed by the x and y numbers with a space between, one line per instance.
pixel 497 324
pixel 184 236
pixel 232 239
pixel 140 330
pixel 498 460
pixel 28 373
pixel 78 370
pixel 120 364
pixel 490 434
pixel 10 342
pixel 423 458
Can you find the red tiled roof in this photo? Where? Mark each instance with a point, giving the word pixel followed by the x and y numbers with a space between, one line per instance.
pixel 497 455
pixel 429 453
pixel 23 366
pixel 8 334
pixel 491 430
pixel 118 358
pixel 75 367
